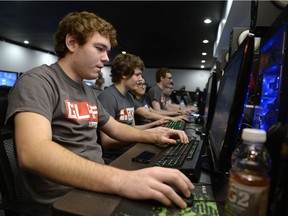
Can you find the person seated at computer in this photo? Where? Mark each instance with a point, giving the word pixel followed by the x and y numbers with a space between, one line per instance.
pixel 56 117
pixel 99 85
pixel 167 92
pixel 156 97
pixel 100 82
pixel 126 74
pixel 139 95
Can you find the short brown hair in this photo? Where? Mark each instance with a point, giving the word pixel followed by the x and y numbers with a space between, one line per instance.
pixel 161 72
pixel 124 65
pixel 81 25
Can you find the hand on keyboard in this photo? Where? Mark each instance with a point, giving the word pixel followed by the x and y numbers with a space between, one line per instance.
pixel 169 136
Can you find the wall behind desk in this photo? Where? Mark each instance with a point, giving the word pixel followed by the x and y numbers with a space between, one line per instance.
pixel 21 59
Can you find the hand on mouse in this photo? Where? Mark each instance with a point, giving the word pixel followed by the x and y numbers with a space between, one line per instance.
pixel 152 183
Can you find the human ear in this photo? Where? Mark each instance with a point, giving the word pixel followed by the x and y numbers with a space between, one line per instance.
pixel 70 42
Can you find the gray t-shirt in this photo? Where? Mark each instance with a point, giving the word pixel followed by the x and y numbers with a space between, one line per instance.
pixel 156 93
pixel 74 113
pixel 121 107
pixel 139 119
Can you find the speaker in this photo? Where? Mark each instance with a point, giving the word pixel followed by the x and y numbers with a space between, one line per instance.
pixel 220 64
pixel 233 42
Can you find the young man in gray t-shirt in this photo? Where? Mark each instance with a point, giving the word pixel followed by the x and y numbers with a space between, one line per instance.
pixel 126 74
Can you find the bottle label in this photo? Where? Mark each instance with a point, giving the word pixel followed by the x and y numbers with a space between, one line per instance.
pixel 247 200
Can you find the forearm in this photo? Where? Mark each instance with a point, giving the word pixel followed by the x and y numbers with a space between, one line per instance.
pixel 166 112
pixel 149 115
pixel 153 124
pixel 174 107
pixel 109 143
pixel 127 133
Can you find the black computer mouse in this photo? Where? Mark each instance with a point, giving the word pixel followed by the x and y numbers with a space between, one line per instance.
pixel 189 200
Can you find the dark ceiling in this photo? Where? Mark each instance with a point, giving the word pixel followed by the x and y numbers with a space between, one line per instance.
pixel 164 34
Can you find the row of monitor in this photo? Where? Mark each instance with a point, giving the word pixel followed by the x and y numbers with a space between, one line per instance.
pixel 225 105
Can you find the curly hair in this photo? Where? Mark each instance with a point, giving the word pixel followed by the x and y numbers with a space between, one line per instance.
pixel 124 65
pixel 161 72
pixel 82 25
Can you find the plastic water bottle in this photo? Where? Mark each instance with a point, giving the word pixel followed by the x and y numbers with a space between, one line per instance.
pixel 249 181
pixel 182 106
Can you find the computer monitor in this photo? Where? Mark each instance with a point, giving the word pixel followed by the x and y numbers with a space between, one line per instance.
pixel 8 78
pixel 231 99
pixel 210 100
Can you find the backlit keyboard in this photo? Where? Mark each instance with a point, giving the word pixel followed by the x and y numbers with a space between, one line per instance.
pixel 179 125
pixel 175 155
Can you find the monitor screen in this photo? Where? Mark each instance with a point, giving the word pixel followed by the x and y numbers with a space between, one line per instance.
pixel 231 99
pixel 8 78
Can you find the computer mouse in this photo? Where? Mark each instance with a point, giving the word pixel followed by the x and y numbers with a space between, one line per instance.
pixel 189 200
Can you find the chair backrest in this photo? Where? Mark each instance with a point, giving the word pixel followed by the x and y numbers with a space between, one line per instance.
pixel 3 108
pixel 10 178
pixel 14 201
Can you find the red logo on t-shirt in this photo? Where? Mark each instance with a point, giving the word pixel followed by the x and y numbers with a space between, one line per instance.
pixel 162 99
pixel 81 111
pixel 126 114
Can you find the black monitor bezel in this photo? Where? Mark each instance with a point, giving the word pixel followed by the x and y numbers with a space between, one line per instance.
pixel 210 103
pixel 222 158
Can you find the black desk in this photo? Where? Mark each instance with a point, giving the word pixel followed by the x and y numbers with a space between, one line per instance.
pixel 82 202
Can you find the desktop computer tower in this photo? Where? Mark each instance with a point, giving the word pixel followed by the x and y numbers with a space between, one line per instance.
pixel 273 66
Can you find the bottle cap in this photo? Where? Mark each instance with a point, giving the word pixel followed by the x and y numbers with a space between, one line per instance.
pixel 254 135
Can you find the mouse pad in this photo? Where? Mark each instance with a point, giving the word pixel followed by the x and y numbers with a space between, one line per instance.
pixel 204 204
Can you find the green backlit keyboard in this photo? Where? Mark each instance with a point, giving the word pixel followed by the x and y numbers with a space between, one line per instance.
pixel 179 125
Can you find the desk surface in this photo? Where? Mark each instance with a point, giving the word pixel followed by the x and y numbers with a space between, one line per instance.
pixel 90 203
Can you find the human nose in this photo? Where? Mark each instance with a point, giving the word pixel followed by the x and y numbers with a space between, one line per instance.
pixel 105 57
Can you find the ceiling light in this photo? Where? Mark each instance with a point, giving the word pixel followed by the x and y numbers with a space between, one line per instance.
pixel 207 21
pixel 204 53
pixel 202 66
pixel 123 52
pixel 205 41
pixel 203 61
pixel 26 42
